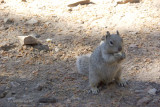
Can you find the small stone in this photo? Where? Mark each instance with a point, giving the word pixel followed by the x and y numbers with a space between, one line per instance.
pixel 24 0
pixel 77 2
pixel 49 40
pixel 47 23
pixel 56 49
pixel 47 100
pixel 133 46
pixel 69 9
pixel 139 91
pixel 2 1
pixel 28 40
pixel 3 94
pixel 143 101
pixel 152 91
pixel 32 21
pixel 90 104
pixel 133 33
pixel 127 1
pixel 15 84
pixel 40 86
pixel 11 98
pixel 8 21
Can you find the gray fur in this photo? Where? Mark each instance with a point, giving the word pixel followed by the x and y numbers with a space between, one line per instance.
pixel 104 64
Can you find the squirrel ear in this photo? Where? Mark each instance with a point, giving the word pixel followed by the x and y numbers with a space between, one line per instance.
pixel 117 32
pixel 108 34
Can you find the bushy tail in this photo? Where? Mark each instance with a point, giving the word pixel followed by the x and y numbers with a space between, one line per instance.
pixel 82 64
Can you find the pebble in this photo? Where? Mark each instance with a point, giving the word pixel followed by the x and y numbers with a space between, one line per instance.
pixel 32 21
pixel 11 98
pixel 47 100
pixel 139 91
pixel 56 49
pixel 24 0
pixel 15 84
pixel 8 21
pixel 143 101
pixel 3 94
pixel 77 2
pixel 152 91
pixel 48 40
pixel 133 46
pixel 40 86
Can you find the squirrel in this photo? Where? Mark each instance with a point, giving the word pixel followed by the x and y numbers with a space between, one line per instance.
pixel 104 63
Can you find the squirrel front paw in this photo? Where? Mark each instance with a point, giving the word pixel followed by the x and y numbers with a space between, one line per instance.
pixel 120 55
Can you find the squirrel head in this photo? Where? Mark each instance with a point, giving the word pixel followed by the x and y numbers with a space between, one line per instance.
pixel 113 43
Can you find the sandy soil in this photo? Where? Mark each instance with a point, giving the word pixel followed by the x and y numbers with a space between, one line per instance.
pixel 45 75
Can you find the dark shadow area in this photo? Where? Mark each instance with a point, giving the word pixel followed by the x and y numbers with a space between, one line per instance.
pixel 8 47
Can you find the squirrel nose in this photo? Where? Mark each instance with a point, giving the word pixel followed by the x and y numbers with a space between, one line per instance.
pixel 119 48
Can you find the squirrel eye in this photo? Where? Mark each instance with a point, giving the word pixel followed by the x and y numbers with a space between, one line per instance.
pixel 111 43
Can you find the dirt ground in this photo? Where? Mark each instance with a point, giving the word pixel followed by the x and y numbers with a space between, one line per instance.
pixel 45 75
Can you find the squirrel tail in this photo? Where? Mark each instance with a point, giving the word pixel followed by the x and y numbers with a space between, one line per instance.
pixel 82 64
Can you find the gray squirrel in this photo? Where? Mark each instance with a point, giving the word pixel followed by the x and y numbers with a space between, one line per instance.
pixel 104 64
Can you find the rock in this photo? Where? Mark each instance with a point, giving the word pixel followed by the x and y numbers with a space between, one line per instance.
pixel 143 101
pixel 32 21
pixel 24 0
pixel 49 40
pixel 133 33
pixel 127 1
pixel 11 99
pixel 3 94
pixel 40 86
pixel 133 46
pixel 90 104
pixel 152 91
pixel 48 23
pixel 56 49
pixel 28 40
pixel 77 2
pixel 47 100
pixel 2 1
pixel 8 20
pixel 139 91
pixel 15 84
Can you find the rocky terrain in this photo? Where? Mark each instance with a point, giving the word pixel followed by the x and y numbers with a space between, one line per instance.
pixel 44 75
